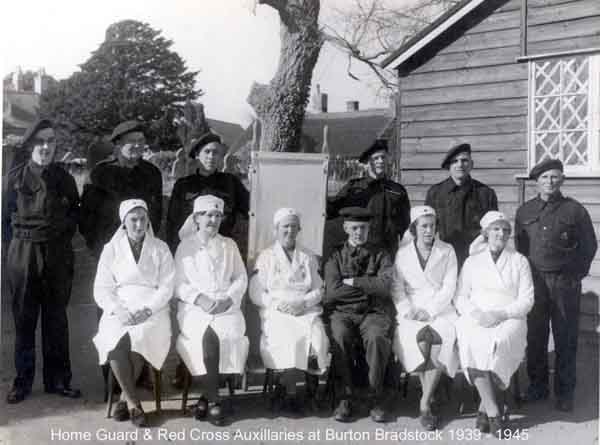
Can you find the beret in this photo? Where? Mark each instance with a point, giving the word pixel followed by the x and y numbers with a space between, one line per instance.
pixel 203 140
pixel 40 124
pixel 459 148
pixel 124 128
pixel 544 166
pixel 378 145
pixel 355 214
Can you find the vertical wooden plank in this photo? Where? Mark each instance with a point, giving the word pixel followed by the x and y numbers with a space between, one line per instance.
pixel 524 28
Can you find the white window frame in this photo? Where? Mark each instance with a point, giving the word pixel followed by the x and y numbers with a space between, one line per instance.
pixel 593 133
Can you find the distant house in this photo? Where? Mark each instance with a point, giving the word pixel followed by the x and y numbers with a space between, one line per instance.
pixel 228 131
pixel 520 81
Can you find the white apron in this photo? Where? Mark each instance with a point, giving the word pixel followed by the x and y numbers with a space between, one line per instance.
pixel 507 285
pixel 431 289
pixel 286 339
pixel 120 281
pixel 216 270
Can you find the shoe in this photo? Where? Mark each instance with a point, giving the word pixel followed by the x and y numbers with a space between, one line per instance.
pixel 564 404
pixel 121 412
pixel 200 409
pixel 534 395
pixel 377 414
pixel 496 427
pixel 216 415
pixel 343 412
pixel 138 417
pixel 63 390
pixel 483 422
pixel 17 394
pixel 429 421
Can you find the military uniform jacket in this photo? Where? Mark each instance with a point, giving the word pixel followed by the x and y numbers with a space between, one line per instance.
pixel 372 270
pixel 223 185
pixel 459 210
pixel 43 205
pixel 388 202
pixel 110 185
pixel 556 235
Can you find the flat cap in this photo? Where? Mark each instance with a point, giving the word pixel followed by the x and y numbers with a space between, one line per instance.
pixel 544 166
pixel 124 128
pixel 355 214
pixel 40 124
pixel 378 145
pixel 203 140
pixel 459 148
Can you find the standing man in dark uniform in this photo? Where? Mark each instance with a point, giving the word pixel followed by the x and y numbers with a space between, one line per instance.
pixel 386 200
pixel 460 201
pixel 359 306
pixel 557 236
pixel 43 204
pixel 124 176
pixel 209 150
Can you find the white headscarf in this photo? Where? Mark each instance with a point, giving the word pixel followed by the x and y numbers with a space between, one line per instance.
pixel 490 217
pixel 202 203
pixel 284 212
pixel 418 211
pixel 124 208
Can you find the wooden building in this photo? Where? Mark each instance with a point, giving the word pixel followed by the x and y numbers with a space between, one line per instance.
pixel 520 81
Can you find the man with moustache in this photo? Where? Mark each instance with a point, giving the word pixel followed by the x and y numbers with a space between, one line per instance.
pixel 557 236
pixel 460 201
pixel 123 176
pixel 42 205
pixel 385 199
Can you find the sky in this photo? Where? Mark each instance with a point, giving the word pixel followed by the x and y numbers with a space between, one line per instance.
pixel 222 39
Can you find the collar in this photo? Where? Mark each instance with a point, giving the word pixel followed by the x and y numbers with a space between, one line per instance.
pixel 450 186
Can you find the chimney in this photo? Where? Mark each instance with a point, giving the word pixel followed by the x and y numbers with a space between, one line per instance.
pixel 17 79
pixel 351 105
pixel 39 81
pixel 319 101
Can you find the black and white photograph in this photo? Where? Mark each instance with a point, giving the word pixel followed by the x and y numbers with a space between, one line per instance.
pixel 300 221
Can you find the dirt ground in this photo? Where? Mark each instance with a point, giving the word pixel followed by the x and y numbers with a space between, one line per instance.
pixel 45 419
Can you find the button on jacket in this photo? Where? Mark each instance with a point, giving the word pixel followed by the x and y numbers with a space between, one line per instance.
pixel 459 210
pixel 556 235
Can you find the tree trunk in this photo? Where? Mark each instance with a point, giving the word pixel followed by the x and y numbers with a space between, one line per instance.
pixel 280 105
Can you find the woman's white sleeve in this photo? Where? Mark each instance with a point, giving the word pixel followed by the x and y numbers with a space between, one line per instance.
pixel 166 281
pixel 462 300
pixel 239 277
pixel 315 295
pixel 443 297
pixel 184 268
pixel 524 302
pixel 105 283
pixel 259 294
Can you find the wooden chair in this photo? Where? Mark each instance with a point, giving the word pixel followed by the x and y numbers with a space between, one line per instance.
pixel 156 377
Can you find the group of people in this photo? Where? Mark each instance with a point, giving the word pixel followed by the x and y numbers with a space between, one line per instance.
pixel 437 287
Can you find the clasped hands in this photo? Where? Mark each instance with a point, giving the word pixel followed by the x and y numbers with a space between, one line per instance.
pixel 212 306
pixel 132 318
pixel 417 314
pixel 489 319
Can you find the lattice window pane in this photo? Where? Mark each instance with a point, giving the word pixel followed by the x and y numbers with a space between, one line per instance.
pixel 561 110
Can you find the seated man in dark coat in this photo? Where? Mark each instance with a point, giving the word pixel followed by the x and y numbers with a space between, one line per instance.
pixel 359 306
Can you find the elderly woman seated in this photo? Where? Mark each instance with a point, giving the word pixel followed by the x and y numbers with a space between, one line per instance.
pixel 287 289
pixel 210 282
pixel 425 274
pixel 494 295
pixel 133 286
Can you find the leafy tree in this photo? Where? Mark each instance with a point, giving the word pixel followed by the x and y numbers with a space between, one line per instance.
pixel 134 74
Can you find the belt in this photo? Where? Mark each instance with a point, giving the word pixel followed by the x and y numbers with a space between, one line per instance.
pixel 34 234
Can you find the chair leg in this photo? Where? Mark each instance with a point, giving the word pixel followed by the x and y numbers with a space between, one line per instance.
pixel 109 392
pixel 157 388
pixel 187 378
pixel 230 386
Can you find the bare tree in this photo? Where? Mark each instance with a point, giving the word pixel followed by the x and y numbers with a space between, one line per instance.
pixel 367 31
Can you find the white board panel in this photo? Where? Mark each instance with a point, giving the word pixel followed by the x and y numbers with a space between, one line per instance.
pixel 297 180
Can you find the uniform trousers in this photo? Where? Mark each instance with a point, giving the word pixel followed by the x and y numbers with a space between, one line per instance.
pixel 557 299
pixel 374 329
pixel 40 275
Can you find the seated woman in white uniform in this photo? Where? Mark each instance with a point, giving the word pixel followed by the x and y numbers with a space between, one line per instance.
pixel 288 290
pixel 210 282
pixel 133 286
pixel 425 275
pixel 494 295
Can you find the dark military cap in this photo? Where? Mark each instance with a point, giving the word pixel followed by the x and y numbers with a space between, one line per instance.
pixel 459 148
pixel 378 145
pixel 125 127
pixel 544 166
pixel 40 124
pixel 355 214
pixel 203 140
